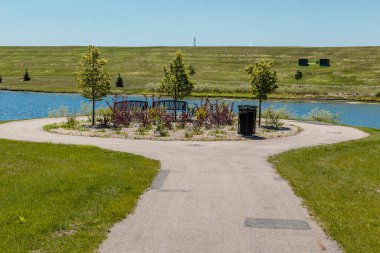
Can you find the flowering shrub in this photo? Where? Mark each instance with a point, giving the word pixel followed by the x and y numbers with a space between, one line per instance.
pixel 221 114
pixel 120 116
pixel 208 114
pixel 184 118
pixel 156 114
pixel 141 117
pixel 201 115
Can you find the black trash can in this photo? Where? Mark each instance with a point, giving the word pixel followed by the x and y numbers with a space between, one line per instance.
pixel 247 119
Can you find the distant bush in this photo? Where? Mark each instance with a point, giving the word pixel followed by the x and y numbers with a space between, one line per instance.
pixel 1 79
pixel 62 111
pixel 376 95
pixel 298 76
pixel 323 116
pixel 119 82
pixel 285 113
pixel 26 76
pixel 85 109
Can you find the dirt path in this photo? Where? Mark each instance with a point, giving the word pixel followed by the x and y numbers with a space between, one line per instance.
pixel 210 196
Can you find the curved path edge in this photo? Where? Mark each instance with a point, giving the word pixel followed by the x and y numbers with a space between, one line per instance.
pixel 210 196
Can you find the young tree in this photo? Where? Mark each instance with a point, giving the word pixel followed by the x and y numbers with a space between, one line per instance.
pixel 26 76
pixel 1 79
pixel 298 75
pixel 262 80
pixel 119 82
pixel 177 82
pixel 93 80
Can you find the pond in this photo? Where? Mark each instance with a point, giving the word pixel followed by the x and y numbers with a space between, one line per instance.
pixel 27 105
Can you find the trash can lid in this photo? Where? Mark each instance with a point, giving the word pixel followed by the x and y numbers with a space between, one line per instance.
pixel 247 107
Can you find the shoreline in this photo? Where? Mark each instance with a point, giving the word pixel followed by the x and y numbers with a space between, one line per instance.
pixel 242 96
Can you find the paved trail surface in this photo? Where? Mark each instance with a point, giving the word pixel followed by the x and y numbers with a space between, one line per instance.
pixel 210 196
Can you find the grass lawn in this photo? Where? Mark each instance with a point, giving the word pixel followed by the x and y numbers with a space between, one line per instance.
pixel 340 185
pixel 354 71
pixel 61 198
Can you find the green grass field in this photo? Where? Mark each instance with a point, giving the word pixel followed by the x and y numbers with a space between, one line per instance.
pixel 340 185
pixel 354 74
pixel 60 198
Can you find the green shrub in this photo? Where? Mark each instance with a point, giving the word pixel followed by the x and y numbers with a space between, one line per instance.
pixel 272 118
pixel 377 94
pixel 188 134
pixel 142 130
pixel 323 116
pixel 219 132
pixel 104 115
pixel 197 131
pixel 51 127
pixel 161 128
pixel 71 121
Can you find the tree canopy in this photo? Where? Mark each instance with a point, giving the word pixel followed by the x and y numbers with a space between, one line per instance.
pixel 93 81
pixel 177 81
pixel 263 80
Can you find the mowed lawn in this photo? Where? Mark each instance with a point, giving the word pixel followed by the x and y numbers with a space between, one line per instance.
pixel 340 185
pixel 61 198
pixel 354 71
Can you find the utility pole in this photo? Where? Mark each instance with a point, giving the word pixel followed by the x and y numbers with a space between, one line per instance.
pixel 195 42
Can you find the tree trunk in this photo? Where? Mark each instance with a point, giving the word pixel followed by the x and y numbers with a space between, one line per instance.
pixel 93 111
pixel 260 112
pixel 175 109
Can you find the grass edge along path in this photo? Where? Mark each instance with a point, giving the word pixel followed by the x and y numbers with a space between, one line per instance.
pixel 340 186
pixel 65 198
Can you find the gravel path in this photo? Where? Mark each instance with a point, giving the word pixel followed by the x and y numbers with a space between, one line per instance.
pixel 210 196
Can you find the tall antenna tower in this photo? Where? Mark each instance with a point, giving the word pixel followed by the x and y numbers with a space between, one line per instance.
pixel 195 42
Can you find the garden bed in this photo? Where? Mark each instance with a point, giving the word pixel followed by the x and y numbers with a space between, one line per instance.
pixel 204 122
pixel 177 133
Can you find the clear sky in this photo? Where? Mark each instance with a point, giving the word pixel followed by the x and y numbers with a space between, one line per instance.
pixel 176 22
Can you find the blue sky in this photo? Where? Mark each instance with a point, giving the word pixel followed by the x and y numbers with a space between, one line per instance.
pixel 175 22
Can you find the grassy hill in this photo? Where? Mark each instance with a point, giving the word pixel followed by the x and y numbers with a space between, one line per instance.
pixel 354 72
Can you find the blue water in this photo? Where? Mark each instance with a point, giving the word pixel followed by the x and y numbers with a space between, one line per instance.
pixel 26 105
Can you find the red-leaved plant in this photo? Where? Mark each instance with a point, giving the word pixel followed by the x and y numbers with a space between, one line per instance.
pixel 216 114
pixel 121 116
